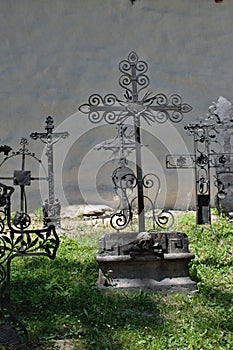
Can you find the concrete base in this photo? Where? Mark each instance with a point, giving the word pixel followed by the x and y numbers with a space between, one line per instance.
pixel 168 272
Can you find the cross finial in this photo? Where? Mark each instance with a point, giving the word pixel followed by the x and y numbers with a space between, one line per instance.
pixel 49 125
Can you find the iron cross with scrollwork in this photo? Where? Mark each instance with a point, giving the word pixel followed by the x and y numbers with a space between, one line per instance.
pixel 151 108
pixel 206 135
pixel 52 206
pixel 125 182
pixel 203 134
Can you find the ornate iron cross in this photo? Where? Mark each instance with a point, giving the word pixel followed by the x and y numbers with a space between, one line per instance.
pixel 200 161
pixel 16 241
pixel 205 135
pixel 151 108
pixel 52 207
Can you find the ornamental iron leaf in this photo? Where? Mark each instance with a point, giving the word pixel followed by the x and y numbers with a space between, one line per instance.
pixel 17 239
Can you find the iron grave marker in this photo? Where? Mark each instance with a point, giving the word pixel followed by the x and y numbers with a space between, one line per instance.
pixel 21 178
pixel 149 261
pixel 18 238
pixel 212 149
pixel 138 106
pixel 52 206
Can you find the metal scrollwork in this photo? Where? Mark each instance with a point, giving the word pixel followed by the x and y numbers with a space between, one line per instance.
pixel 136 104
pixel 165 219
pixel 152 108
pixel 124 181
pixel 16 241
pixel 121 218
pixel 140 67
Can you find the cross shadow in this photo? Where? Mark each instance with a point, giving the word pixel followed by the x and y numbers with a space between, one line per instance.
pixel 60 299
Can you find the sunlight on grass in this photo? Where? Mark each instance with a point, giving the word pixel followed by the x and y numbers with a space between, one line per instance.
pixel 59 300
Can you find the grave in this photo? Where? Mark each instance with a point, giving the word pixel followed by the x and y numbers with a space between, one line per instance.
pixel 21 178
pixel 223 110
pixel 52 206
pixel 152 261
pixel 212 149
pixel 18 236
pixel 149 261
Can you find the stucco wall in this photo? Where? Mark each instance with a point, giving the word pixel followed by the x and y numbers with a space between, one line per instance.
pixel 55 54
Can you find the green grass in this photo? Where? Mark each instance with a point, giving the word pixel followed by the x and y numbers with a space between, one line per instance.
pixel 59 299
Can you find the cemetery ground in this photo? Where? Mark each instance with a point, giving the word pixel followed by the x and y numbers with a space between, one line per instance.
pixel 62 307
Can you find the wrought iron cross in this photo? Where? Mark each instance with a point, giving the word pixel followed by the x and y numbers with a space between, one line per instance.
pixel 205 134
pixel 21 178
pixel 18 239
pixel 200 161
pixel 52 205
pixel 149 107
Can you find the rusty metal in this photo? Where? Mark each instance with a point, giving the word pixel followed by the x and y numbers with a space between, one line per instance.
pixel 137 105
pixel 52 206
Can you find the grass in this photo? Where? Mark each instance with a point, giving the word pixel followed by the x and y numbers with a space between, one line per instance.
pixel 59 300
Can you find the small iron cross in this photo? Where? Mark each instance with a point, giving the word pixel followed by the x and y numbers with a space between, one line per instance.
pixel 52 207
pixel 151 108
pixel 122 145
pixel 21 178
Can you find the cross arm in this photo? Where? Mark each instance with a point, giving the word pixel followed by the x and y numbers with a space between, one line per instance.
pixel 180 161
pixel 220 159
pixel 5 149
pixel 171 108
pixel 41 135
pixel 156 108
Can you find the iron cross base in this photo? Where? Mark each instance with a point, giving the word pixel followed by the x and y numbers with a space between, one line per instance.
pixel 148 261
pixel 52 213
pixel 18 240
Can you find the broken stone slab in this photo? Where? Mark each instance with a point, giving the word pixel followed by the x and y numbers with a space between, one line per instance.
pixel 73 211
pixel 149 261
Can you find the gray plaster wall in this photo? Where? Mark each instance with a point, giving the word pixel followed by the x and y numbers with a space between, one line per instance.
pixel 55 54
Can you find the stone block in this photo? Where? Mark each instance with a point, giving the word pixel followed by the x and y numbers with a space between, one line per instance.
pixel 127 263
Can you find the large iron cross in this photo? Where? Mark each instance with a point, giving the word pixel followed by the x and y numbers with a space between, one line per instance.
pixel 52 205
pixel 149 107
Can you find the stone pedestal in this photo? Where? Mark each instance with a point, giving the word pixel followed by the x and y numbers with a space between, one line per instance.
pixel 154 262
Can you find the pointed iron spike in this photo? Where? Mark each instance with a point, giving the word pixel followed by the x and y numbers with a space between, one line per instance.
pixel 126 95
pixel 85 108
pixel 150 99
pixel 185 108
pixel 133 57
pixel 147 94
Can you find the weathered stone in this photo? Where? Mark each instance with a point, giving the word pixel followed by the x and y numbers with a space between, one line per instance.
pixel 151 261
